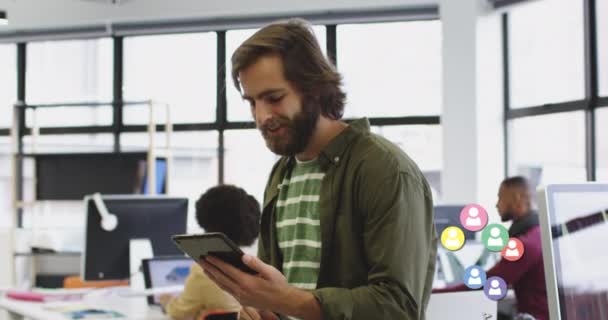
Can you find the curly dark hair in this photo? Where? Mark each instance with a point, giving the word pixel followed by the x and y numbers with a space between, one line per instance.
pixel 230 210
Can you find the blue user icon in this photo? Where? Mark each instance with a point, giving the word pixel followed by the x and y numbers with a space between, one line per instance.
pixel 474 277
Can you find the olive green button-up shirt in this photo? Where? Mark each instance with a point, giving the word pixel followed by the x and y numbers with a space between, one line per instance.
pixel 378 237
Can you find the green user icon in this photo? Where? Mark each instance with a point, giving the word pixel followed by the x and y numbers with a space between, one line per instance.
pixel 495 237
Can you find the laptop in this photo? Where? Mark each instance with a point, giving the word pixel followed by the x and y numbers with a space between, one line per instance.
pixel 165 274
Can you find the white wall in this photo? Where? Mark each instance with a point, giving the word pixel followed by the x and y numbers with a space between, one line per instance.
pixel 459 116
pixel 25 14
pixel 6 267
pixel 489 99
pixel 472 114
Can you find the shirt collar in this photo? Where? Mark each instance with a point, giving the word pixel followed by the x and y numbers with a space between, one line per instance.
pixel 523 224
pixel 332 153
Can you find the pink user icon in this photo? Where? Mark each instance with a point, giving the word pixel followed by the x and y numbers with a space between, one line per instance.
pixel 473 217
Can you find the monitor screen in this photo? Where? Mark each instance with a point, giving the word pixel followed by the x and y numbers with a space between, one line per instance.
pixel 72 176
pixel 106 254
pixel 446 216
pixel 575 233
pixel 166 271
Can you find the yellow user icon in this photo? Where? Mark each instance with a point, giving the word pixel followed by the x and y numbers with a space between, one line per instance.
pixel 452 238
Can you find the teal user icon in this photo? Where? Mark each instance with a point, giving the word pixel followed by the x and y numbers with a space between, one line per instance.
pixel 494 237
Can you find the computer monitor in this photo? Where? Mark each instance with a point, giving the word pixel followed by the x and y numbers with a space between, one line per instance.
pixel 72 176
pixel 574 231
pixel 161 178
pixel 446 216
pixel 106 253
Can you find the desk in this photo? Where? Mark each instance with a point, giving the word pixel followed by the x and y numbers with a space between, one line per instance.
pixel 472 304
pixel 134 308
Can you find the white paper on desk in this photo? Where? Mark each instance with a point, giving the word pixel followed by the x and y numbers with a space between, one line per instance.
pixel 63 291
pixel 151 291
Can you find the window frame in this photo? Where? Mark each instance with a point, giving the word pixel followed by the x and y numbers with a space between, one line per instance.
pixel 221 123
pixel 588 105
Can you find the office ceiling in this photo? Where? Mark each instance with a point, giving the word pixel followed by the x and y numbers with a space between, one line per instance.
pixel 27 15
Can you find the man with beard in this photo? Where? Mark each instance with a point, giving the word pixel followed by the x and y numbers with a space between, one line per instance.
pixel 526 275
pixel 347 223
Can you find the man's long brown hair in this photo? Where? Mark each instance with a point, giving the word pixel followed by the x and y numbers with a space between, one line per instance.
pixel 304 64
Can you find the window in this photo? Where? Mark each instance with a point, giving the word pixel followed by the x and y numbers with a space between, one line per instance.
pixel 67 143
pixel 248 161
pixel 601 120
pixel 8 83
pixel 176 69
pixel 195 164
pixel 391 69
pixel 546 52
pixel 70 71
pixel 602 44
pixel 69 116
pixel 238 109
pixel 536 154
pixel 423 144
pixel 181 70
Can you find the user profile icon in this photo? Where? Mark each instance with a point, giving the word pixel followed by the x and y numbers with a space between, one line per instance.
pixel 495 288
pixel 452 238
pixel 514 250
pixel 495 237
pixel 473 217
pixel 474 277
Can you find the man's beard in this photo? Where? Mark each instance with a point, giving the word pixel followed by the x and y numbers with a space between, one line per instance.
pixel 506 216
pixel 298 131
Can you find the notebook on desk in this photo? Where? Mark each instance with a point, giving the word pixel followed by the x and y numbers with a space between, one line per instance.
pixel 164 275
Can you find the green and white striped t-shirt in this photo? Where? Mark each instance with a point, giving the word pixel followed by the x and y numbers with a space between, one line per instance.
pixel 298 227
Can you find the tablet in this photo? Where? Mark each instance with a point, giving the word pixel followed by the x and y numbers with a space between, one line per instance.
pixel 222 315
pixel 164 275
pixel 217 244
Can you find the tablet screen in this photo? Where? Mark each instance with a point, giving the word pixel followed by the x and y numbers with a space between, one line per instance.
pixel 165 272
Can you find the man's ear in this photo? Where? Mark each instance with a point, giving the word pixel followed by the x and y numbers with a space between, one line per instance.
pixel 519 200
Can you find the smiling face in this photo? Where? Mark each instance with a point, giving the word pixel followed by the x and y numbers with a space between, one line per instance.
pixel 286 118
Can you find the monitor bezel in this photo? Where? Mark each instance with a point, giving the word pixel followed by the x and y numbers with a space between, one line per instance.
pixel 551 259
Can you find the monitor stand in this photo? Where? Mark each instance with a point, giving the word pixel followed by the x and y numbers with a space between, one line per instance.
pixel 139 249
